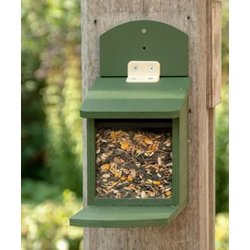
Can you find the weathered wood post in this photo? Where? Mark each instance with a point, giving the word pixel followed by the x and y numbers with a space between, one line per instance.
pixel 193 229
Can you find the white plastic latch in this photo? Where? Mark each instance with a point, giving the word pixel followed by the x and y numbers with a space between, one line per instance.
pixel 143 71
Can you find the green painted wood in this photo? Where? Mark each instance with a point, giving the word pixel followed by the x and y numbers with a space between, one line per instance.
pixel 125 216
pixel 176 162
pixel 133 202
pixel 115 98
pixel 161 42
pixel 91 161
pixel 183 151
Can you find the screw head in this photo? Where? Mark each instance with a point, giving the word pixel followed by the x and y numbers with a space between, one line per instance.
pixel 143 31
pixel 151 68
pixel 135 67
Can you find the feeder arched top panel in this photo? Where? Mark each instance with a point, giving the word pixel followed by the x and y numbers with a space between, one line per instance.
pixel 144 41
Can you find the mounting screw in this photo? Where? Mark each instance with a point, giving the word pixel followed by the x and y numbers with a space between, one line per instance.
pixel 151 68
pixel 143 31
pixel 135 67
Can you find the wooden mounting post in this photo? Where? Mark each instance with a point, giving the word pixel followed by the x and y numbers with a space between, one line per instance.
pixel 193 229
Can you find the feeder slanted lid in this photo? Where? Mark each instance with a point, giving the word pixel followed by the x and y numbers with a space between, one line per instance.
pixel 113 97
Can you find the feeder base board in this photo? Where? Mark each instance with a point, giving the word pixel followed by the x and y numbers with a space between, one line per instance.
pixel 125 216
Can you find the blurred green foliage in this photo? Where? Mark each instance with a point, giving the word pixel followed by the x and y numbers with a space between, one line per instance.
pixel 222 231
pixel 51 83
pixel 45 226
pixel 32 106
pixel 222 122
pixel 51 127
pixel 222 152
pixel 39 191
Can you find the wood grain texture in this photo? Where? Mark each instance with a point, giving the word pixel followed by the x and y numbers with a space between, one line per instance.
pixel 191 229
pixel 214 52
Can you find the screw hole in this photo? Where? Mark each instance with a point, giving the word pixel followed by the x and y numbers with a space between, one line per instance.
pixel 189 111
pixel 95 21
pixel 188 17
pixel 144 48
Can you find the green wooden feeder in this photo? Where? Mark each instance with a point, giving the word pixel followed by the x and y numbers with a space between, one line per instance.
pixel 114 102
